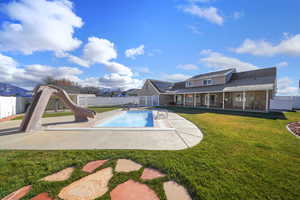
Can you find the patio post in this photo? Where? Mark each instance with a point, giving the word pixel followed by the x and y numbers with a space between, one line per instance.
pixel 175 100
pixel 208 100
pixel 183 99
pixel 194 100
pixel 244 99
pixel 223 100
pixel 267 100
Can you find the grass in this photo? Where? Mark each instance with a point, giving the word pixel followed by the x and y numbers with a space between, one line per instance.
pixel 58 114
pixel 242 156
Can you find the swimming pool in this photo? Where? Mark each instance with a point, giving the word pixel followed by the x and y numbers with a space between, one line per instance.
pixel 135 118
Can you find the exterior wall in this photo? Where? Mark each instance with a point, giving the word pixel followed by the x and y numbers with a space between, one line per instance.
pixel 147 90
pixel 166 99
pixel 216 81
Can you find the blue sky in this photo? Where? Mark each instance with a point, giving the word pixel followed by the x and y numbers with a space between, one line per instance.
pixel 118 44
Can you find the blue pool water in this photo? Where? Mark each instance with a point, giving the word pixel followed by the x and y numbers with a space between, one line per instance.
pixel 136 118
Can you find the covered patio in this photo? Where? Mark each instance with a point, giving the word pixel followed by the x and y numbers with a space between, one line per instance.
pixel 230 98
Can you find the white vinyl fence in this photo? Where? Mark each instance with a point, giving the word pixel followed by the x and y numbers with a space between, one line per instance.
pixel 285 103
pixel 116 101
pixel 12 105
pixel 106 101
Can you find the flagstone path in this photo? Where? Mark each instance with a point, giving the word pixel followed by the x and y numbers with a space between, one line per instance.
pixel 97 183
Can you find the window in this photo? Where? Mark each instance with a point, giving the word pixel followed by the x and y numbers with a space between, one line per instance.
pixel 210 99
pixel 188 84
pixel 207 82
pixel 239 97
pixel 189 98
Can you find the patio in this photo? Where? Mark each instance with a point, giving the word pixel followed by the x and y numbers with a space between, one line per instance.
pixel 62 133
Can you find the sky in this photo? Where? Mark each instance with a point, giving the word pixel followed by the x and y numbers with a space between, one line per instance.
pixel 119 44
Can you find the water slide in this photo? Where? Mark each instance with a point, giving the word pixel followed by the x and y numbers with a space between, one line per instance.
pixel 42 94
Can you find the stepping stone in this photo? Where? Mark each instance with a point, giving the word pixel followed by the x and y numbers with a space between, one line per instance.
pixel 42 196
pixel 131 190
pixel 124 165
pixel 175 191
pixel 16 195
pixel 91 166
pixel 89 187
pixel 59 176
pixel 149 174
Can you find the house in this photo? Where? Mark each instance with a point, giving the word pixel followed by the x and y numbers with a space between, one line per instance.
pixel 225 89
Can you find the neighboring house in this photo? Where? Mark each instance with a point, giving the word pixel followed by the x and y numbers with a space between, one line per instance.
pixel 132 92
pixel 226 89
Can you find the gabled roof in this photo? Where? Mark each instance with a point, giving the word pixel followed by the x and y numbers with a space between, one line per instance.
pixel 260 78
pixel 217 73
pixel 161 86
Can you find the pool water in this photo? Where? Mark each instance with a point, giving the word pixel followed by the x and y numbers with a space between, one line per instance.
pixel 136 118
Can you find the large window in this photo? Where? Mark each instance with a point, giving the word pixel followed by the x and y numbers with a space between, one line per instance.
pixel 239 97
pixel 188 84
pixel 212 99
pixel 189 98
pixel 207 82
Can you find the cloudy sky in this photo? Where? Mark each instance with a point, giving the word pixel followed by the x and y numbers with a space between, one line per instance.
pixel 118 44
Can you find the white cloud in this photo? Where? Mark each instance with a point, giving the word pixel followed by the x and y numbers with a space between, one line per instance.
pixel 30 75
pixel 286 88
pixel 218 61
pixel 39 25
pixel 282 64
pixel 211 13
pixel 115 81
pixel 187 67
pixel 99 51
pixel 154 52
pixel 175 77
pixel 118 68
pixel 194 29
pixel 133 52
pixel 145 70
pixel 290 45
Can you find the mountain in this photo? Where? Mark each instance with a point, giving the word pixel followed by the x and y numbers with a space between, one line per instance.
pixel 11 90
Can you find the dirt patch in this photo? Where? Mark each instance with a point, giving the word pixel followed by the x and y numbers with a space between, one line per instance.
pixel 294 127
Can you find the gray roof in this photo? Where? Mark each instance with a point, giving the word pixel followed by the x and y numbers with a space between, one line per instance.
pixel 217 73
pixel 248 78
pixel 162 86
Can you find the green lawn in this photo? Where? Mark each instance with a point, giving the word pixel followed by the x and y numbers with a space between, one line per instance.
pixel 58 114
pixel 240 157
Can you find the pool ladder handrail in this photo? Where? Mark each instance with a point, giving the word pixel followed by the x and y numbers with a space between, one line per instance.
pixel 162 111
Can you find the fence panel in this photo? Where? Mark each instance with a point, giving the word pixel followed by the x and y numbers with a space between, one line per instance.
pixel 106 101
pixel 7 106
pixel 285 102
pixel 115 101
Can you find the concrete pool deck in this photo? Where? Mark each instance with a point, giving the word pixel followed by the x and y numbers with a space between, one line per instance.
pixel 62 133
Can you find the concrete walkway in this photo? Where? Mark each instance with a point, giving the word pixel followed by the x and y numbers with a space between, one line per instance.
pixel 183 135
